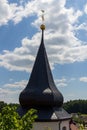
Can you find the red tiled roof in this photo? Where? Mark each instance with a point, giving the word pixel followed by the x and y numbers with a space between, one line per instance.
pixel 73 127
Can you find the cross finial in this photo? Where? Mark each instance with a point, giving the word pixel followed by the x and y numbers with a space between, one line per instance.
pixel 42 16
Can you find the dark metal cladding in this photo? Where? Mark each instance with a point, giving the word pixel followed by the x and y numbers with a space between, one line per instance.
pixel 41 90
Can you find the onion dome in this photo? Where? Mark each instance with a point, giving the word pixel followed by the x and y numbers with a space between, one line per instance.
pixel 41 90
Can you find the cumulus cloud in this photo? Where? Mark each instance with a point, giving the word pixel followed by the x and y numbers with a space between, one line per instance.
pixel 61 82
pixel 22 58
pixel 61 43
pixel 10 92
pixel 17 85
pixel 5 12
pixel 9 95
pixel 14 12
pixel 83 79
pixel 82 26
pixel 85 8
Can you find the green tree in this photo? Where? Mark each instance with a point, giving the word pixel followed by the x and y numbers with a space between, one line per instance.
pixel 10 119
pixel 28 119
pixel 76 106
pixel 2 104
pixel 81 127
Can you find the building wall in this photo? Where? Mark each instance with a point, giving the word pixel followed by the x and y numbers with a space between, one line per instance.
pixel 51 125
pixel 64 124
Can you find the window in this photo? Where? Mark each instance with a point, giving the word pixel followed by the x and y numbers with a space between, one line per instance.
pixel 64 128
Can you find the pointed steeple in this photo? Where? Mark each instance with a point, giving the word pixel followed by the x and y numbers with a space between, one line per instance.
pixel 41 90
pixel 42 94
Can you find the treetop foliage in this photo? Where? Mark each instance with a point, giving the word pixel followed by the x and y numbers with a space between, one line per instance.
pixel 10 119
pixel 76 106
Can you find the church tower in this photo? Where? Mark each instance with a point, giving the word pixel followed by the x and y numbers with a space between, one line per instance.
pixel 42 94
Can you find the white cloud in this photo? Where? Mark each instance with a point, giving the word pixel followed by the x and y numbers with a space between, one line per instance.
pixel 13 12
pixel 10 92
pixel 8 95
pixel 61 82
pixel 83 79
pixel 5 12
pixel 82 26
pixel 61 43
pixel 85 8
pixel 17 85
pixel 15 61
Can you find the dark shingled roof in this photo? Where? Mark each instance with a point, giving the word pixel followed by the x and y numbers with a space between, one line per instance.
pixel 41 92
pixel 48 114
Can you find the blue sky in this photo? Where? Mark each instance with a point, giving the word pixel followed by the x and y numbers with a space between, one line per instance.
pixel 65 41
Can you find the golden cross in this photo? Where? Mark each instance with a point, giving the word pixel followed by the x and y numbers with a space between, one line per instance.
pixel 42 16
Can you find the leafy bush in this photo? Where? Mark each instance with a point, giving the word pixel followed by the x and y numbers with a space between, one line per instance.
pixel 10 119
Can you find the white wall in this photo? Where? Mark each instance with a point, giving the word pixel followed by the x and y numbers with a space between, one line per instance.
pixel 64 123
pixel 51 125
pixel 46 126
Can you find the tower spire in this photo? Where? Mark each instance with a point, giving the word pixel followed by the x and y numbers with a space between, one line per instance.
pixel 41 90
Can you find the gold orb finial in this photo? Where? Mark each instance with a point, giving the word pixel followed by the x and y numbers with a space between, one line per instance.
pixel 42 27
